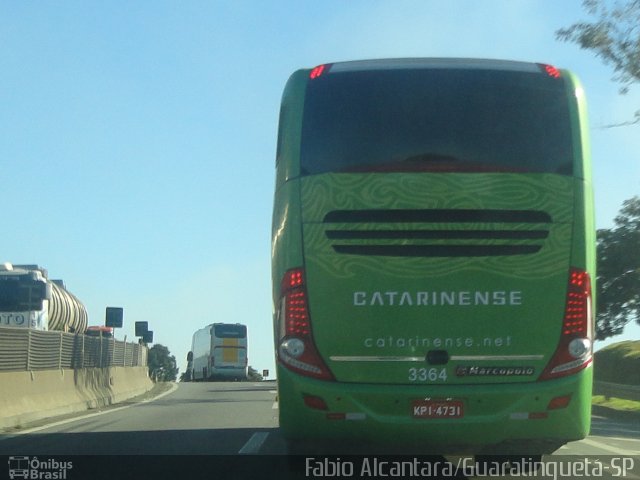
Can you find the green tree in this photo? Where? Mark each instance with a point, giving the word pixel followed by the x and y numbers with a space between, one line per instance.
pixel 618 281
pixel 614 37
pixel 162 365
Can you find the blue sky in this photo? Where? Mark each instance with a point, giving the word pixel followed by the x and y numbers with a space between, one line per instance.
pixel 137 139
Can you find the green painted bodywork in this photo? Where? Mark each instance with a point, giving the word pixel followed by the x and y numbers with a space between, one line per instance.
pixel 367 307
pixel 486 426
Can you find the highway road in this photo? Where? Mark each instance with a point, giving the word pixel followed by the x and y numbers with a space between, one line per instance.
pixel 225 419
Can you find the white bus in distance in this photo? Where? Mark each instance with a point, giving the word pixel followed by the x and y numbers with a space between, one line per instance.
pixel 219 352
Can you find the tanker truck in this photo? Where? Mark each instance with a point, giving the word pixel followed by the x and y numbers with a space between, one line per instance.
pixel 28 299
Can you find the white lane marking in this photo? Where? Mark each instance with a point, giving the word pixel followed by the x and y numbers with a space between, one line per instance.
pixel 624 439
pixel 273 391
pixel 274 406
pixel 254 444
pixel 89 415
pixel 604 446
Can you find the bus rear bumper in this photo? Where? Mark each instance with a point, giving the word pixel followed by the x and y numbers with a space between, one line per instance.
pixel 531 418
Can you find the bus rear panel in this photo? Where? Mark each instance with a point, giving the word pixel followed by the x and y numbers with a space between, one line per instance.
pixel 433 256
pixel 220 352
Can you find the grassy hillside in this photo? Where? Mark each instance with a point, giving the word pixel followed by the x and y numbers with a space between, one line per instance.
pixel 618 363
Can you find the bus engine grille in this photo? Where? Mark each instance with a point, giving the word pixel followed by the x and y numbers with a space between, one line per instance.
pixel 437 232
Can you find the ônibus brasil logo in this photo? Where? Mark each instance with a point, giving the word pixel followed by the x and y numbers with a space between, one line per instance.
pixel 33 468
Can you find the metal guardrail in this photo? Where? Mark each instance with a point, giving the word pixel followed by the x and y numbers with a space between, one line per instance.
pixel 24 349
pixel 617 390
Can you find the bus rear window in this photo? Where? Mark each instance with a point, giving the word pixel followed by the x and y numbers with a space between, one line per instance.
pixel 230 331
pixel 436 120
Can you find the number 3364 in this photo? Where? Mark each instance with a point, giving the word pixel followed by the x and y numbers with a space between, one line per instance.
pixel 427 374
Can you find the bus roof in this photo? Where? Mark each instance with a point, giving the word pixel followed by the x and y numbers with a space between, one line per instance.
pixel 414 63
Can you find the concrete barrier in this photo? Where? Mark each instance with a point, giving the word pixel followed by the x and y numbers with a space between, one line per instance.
pixel 33 395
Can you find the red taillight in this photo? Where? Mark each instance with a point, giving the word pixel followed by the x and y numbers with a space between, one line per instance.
pixel 574 351
pixel 550 70
pixel 297 350
pixel 576 317
pixel 297 319
pixel 317 71
pixel 292 279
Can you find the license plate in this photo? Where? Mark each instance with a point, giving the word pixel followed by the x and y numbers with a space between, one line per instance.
pixel 438 409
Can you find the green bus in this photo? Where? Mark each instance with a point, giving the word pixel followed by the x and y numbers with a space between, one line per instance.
pixel 433 256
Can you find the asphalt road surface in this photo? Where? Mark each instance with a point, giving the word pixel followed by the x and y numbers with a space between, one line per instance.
pixel 232 419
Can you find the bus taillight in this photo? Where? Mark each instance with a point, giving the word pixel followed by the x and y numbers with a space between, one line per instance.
pixel 550 70
pixel 318 71
pixel 297 351
pixel 574 351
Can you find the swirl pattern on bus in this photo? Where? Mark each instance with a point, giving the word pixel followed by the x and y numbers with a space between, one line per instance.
pixel 547 193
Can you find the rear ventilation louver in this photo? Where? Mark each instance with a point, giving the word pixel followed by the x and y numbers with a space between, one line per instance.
pixel 367 232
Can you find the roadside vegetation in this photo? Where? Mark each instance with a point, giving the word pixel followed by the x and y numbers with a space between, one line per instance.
pixel 618 363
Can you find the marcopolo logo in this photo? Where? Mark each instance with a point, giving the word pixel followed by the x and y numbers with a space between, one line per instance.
pixel 473 371
pixel 36 469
